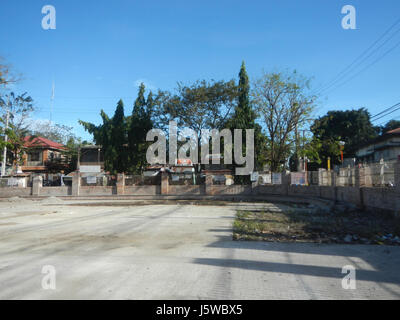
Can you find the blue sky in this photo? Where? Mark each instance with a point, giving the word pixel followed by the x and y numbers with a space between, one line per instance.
pixel 101 49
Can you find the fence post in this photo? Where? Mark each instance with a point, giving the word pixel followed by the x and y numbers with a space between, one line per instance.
pixel 320 177
pixel 208 183
pixel 254 187
pixel 357 177
pixel 359 183
pixel 333 178
pixel 164 182
pixel 76 183
pixel 37 184
pixel 120 183
pixel 368 171
pixel 333 184
pixel 285 180
pixel 362 177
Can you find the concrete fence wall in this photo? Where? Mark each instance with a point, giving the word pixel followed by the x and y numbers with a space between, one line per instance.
pixel 7 192
pixel 56 191
pixel 142 190
pixel 182 190
pixel 387 198
pixel 381 198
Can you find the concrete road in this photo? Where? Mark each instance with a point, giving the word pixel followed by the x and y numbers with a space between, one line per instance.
pixel 172 252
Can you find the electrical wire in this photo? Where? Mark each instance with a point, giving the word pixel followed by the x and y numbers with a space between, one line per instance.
pixel 346 69
pixel 384 111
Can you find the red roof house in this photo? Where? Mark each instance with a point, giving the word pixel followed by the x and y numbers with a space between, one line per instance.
pixel 395 131
pixel 38 151
pixel 40 142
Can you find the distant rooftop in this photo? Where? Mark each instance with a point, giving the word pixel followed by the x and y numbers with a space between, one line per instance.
pixel 34 142
pixel 393 131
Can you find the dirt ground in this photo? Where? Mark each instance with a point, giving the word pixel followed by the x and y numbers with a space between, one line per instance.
pixel 129 250
pixel 323 227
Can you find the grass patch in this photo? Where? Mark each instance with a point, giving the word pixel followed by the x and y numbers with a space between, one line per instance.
pixel 350 227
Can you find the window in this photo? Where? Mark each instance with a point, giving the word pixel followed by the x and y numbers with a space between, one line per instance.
pixel 34 156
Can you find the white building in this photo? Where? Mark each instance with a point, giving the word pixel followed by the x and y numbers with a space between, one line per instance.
pixel 385 147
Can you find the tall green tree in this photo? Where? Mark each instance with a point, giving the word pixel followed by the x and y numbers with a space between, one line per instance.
pixel 140 123
pixel 285 104
pixel 244 117
pixel 200 106
pixel 112 136
pixel 119 139
pixel 203 104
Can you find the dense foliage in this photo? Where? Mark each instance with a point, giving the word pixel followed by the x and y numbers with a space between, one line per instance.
pixel 353 127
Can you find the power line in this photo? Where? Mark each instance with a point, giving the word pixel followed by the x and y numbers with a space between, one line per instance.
pixel 388 113
pixel 368 66
pixel 346 69
pixel 384 111
pixel 361 62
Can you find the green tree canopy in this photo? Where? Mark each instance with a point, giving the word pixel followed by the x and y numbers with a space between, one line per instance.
pixel 353 127
pixel 244 117
pixel 285 104
pixel 123 139
pixel 139 124
pixel 201 105
pixel 18 108
pixel 112 136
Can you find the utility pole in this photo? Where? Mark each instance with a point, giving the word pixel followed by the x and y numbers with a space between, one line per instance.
pixel 3 166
